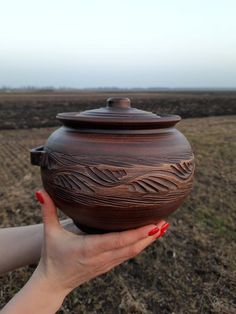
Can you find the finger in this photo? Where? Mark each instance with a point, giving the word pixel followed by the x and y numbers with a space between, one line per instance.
pixel 49 210
pixel 111 241
pixel 118 256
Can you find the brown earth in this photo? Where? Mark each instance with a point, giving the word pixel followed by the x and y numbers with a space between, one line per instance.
pixel 27 110
pixel 191 270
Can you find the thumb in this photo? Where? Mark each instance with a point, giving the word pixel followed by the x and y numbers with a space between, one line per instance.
pixel 49 210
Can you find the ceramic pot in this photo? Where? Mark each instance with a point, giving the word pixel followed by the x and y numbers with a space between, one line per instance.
pixel 116 167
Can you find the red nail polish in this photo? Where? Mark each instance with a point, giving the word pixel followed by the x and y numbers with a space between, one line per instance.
pixel 164 227
pixel 153 231
pixel 163 230
pixel 39 197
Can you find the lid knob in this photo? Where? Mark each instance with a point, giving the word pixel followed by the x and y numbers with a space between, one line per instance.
pixel 118 102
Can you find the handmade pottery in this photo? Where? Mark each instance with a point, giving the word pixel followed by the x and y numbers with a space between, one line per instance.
pixel 116 167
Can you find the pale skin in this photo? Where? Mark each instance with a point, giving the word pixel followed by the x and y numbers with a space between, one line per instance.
pixel 21 246
pixel 68 257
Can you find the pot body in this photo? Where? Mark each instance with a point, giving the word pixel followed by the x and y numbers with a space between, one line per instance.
pixel 110 182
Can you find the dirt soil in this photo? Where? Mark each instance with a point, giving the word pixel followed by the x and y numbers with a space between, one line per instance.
pixel 192 269
pixel 33 110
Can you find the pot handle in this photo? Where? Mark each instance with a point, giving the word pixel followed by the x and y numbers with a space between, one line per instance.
pixel 36 155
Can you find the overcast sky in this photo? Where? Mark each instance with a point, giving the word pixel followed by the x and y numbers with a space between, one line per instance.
pixel 125 43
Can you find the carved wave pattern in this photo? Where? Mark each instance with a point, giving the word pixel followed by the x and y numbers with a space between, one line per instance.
pixel 164 180
pixel 88 181
pixel 105 183
pixel 151 182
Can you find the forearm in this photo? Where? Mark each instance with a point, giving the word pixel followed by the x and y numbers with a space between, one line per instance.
pixel 21 246
pixel 37 296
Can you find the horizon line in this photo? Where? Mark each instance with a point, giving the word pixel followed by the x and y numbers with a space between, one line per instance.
pixel 110 89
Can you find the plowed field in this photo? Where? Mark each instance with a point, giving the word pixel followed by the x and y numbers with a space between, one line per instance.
pixel 190 270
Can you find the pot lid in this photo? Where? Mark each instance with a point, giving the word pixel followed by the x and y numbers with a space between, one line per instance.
pixel 118 114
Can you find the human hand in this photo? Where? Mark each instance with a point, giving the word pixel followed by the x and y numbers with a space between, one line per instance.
pixel 68 260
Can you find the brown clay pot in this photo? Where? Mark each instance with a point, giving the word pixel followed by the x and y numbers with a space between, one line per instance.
pixel 117 167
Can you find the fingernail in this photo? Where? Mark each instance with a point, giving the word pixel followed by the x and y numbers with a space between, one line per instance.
pixel 153 231
pixel 39 197
pixel 163 230
pixel 164 227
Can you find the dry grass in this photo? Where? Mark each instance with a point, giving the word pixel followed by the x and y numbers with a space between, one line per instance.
pixel 190 270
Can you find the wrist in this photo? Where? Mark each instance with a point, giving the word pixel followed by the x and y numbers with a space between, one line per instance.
pixel 49 296
pixel 40 278
pixel 38 296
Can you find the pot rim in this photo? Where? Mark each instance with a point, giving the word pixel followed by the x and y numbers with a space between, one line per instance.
pixel 72 119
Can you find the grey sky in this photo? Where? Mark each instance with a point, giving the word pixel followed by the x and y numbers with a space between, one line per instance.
pixel 126 43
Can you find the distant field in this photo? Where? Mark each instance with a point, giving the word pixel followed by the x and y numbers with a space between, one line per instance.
pixel 27 110
pixel 190 270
